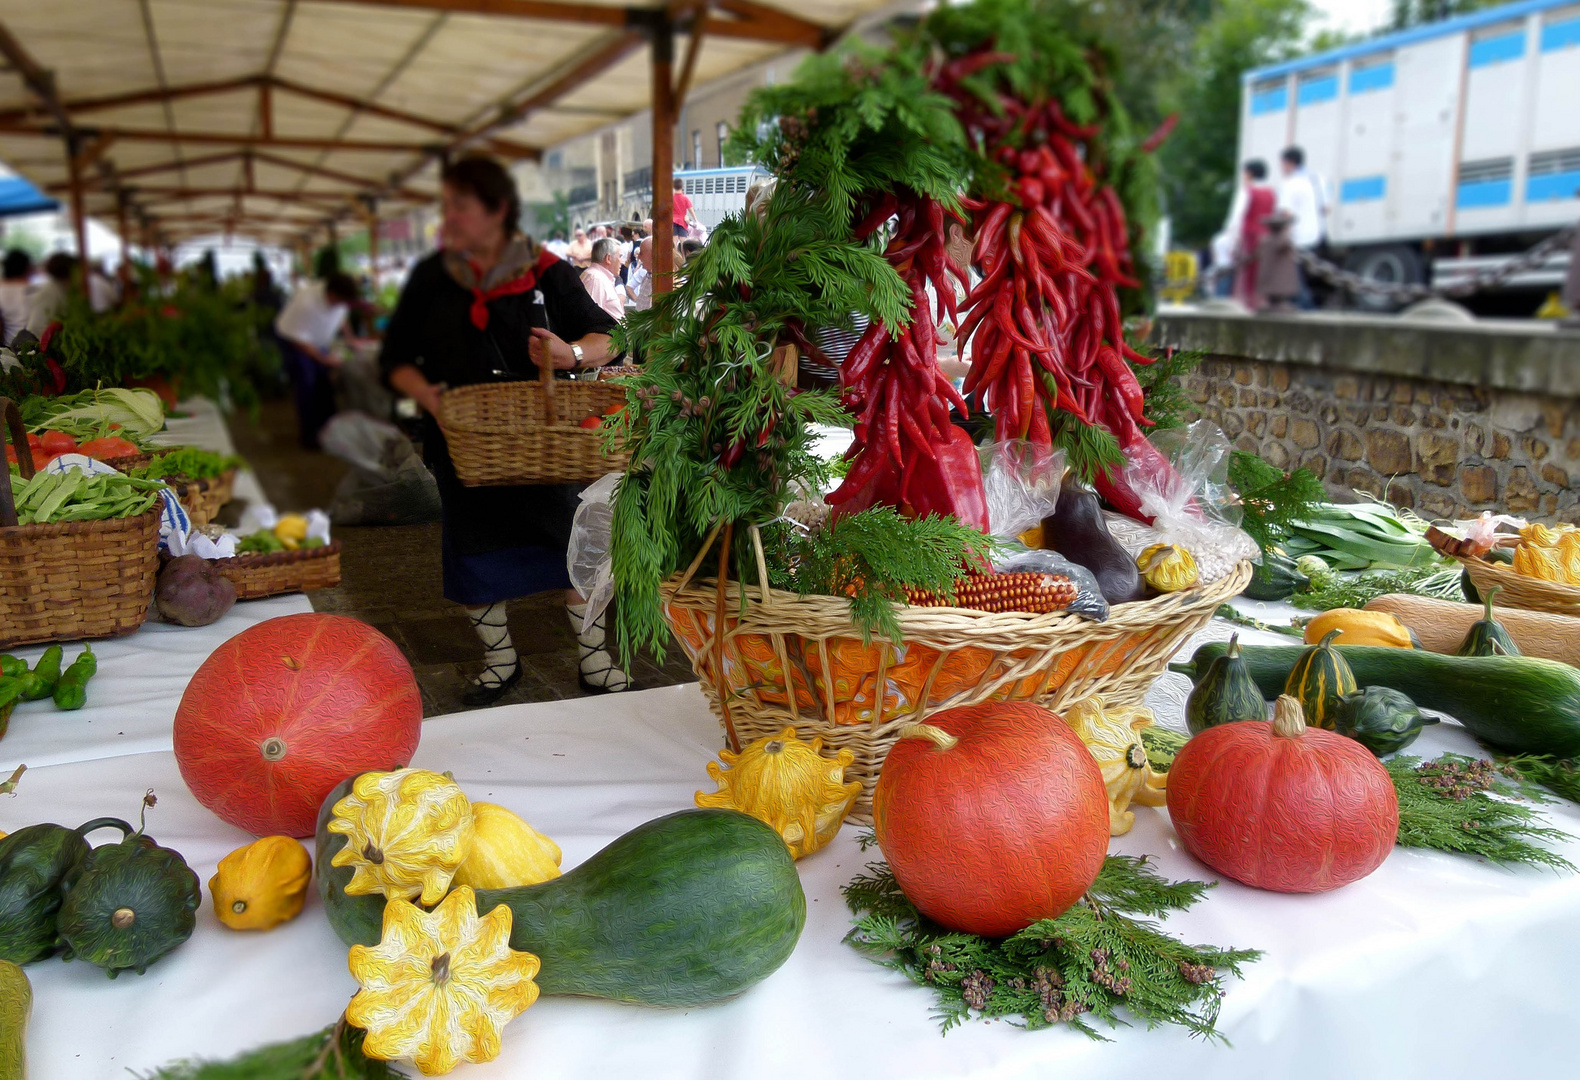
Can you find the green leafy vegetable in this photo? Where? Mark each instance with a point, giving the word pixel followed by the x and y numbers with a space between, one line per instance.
pixel 191 462
pixel 1362 535
pixel 89 413
pixel 73 495
pixel 1271 498
pixel 334 1053
pixel 1459 804
pixel 1334 590
pixel 1097 961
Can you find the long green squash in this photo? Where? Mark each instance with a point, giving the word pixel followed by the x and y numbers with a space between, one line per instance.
pixel 16 1004
pixel 1521 704
pixel 687 909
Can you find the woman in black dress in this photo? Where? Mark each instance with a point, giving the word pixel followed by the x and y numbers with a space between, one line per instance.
pixel 488 306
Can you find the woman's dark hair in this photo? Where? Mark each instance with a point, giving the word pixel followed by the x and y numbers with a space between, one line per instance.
pixel 1256 169
pixel 18 264
pixel 490 183
pixel 1295 156
pixel 60 266
pixel 342 287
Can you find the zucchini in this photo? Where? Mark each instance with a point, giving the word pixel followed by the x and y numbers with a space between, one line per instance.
pixel 16 1004
pixel 1276 577
pixel 1521 704
pixel 684 910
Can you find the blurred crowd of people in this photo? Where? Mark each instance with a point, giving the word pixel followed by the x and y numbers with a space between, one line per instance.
pixel 31 295
pixel 1266 224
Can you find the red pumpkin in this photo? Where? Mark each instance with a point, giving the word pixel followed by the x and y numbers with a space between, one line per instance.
pixel 1281 806
pixel 992 816
pixel 284 711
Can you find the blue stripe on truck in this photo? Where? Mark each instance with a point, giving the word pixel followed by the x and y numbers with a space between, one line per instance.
pixel 1561 35
pixel 1316 91
pixel 1497 50
pixel 1553 187
pixel 1482 193
pixel 1376 77
pixel 1363 189
pixel 1270 101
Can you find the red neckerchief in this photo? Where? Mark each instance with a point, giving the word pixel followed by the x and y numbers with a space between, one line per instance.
pixel 515 287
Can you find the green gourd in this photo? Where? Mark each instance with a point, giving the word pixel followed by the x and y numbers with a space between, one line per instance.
pixel 1277 578
pixel 133 902
pixel 1522 704
pixel 38 864
pixel 1486 637
pixel 1384 721
pixel 16 1005
pixel 40 682
pixel 687 909
pixel 1226 694
pixel 1319 678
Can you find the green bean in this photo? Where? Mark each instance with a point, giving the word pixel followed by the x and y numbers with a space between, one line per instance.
pixel 58 497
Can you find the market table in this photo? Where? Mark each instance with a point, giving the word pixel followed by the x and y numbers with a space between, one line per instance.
pixel 1435 965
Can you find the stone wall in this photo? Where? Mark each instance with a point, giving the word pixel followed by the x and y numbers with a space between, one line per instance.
pixel 1442 448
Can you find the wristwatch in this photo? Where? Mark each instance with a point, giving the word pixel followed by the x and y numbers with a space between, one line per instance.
pixel 576 351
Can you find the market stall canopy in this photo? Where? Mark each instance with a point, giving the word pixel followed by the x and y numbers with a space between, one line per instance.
pixel 272 117
pixel 17 196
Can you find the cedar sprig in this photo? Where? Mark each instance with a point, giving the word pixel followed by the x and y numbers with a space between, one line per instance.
pixel 1559 776
pixel 1270 497
pixel 1463 805
pixel 874 557
pixel 1162 385
pixel 1095 962
pixel 335 1053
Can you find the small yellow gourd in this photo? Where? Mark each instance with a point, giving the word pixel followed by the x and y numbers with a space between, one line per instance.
pixel 506 852
pixel 1168 567
pixel 788 785
pixel 1538 535
pixel 406 833
pixel 291 530
pixel 1358 627
pixel 1542 563
pixel 262 885
pixel 440 986
pixel 1113 735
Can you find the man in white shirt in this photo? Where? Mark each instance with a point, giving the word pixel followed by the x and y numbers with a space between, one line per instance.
pixel 556 244
pixel 639 286
pixel 601 278
pixel 17 270
pixel 1300 196
pixel 307 328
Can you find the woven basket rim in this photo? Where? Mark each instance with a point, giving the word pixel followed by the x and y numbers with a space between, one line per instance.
pixel 79 528
pixel 259 560
pixel 1496 571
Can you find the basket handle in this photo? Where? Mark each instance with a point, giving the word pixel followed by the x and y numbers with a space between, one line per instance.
pixel 546 377
pixel 24 459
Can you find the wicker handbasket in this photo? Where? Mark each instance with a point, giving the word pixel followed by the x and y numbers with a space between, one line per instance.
pixel 73 580
pixel 529 432
pixel 303 570
pixel 1521 590
pixel 779 649
pixel 203 498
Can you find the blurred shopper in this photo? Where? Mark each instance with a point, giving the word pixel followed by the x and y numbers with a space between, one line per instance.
pixel 1300 196
pixel 490 307
pixel 602 279
pixel 307 328
pixel 579 249
pixel 557 245
pixel 683 216
pixel 639 287
pixel 59 269
pixel 104 292
pixel 16 275
pixel 1260 202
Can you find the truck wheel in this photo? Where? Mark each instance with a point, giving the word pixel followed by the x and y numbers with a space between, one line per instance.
pixel 1391 265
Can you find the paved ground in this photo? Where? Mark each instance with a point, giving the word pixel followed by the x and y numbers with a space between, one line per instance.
pixel 390 578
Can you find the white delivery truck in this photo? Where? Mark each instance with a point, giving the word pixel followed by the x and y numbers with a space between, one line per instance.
pixel 1443 149
pixel 718 193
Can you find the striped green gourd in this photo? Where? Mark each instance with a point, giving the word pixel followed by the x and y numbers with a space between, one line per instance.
pixel 1319 678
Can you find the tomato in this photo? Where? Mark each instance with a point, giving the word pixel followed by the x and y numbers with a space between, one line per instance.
pixel 110 447
pixel 592 422
pixel 58 442
pixel 35 444
pixel 614 410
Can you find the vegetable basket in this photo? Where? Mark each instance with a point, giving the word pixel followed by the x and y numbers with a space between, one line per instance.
pixel 1521 590
pixel 277 573
pixel 203 498
pixel 69 581
pixel 791 659
pixel 529 432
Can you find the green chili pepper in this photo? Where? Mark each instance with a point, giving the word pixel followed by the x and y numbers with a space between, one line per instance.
pixel 40 682
pixel 10 690
pixel 12 666
pixel 71 692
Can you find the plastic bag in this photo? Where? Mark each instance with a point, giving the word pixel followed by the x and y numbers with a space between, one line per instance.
pixel 587 558
pixel 1191 505
pixel 1022 485
pixel 367 443
pixel 1089 602
pixel 410 497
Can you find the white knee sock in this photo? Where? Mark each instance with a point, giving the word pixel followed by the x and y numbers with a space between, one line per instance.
pixel 597 666
pixel 499 653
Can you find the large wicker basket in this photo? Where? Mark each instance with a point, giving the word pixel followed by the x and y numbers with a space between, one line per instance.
pixel 779 647
pixel 529 432
pixel 1521 590
pixel 204 498
pixel 72 580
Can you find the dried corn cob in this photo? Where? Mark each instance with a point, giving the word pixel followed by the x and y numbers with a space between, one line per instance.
pixel 1031 592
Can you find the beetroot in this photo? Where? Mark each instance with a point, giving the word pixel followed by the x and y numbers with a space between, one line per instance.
pixel 192 592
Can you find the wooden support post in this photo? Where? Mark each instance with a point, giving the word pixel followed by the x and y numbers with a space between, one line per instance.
pixel 663 155
pixel 79 214
pixel 123 227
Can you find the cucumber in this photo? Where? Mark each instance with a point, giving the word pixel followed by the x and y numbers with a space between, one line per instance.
pixel 687 909
pixel 1521 704
pixel 16 1004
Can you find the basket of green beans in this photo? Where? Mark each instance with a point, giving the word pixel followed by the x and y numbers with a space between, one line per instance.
pixel 78 553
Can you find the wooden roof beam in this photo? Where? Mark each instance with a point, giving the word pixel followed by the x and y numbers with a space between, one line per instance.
pixel 363 182
pixel 226 138
pixel 39 82
pixel 161 167
pixel 147 96
pixel 151 195
pixel 504 147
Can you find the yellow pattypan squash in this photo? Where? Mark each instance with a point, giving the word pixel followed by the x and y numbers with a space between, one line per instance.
pixel 262 885
pixel 1113 735
pixel 506 852
pixel 1167 567
pixel 440 986
pixel 788 785
pixel 1538 535
pixel 1542 563
pixel 1359 627
pixel 291 530
pixel 406 832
